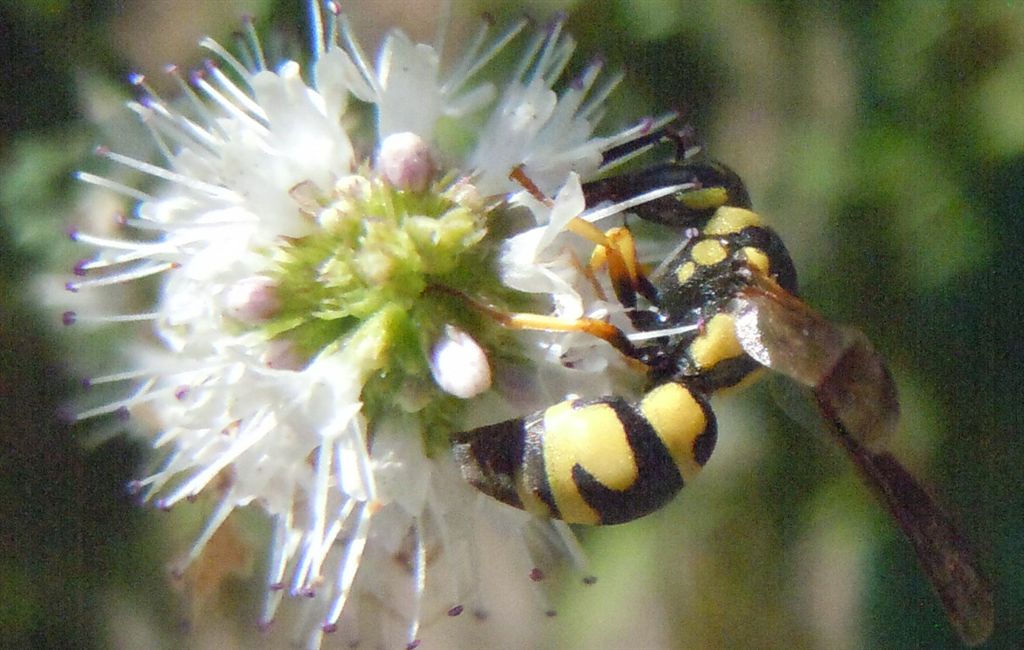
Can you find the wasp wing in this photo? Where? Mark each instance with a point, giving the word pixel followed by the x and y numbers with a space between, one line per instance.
pixel 856 396
pixel 944 556
pixel 850 381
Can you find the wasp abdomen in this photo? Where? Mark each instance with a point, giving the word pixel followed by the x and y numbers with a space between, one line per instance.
pixel 593 461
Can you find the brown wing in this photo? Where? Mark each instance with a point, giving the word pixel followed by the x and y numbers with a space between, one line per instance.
pixel 856 396
pixel 850 381
pixel 944 556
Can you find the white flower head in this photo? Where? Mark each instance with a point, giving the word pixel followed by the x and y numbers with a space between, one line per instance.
pixel 317 327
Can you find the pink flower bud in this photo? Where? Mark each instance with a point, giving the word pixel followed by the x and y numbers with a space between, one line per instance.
pixel 404 160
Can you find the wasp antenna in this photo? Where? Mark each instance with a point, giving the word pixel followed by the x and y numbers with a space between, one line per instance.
pixel 518 174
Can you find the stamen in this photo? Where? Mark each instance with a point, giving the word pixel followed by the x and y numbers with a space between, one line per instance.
pixel 120 406
pixel 229 107
pixel 71 318
pixel 224 55
pixel 198 105
pixel 304 573
pixel 357 436
pixel 597 100
pixel 104 263
pixel 127 375
pixel 688 235
pixel 570 545
pixel 139 81
pixel 461 71
pixel 200 230
pixel 419 573
pixel 120 244
pixel 444 20
pixel 351 557
pixel 236 93
pixel 184 180
pixel 528 57
pixel 142 271
pixel 172 433
pixel 313 560
pixel 281 550
pixel 471 62
pixel 216 518
pixel 114 186
pixel 176 127
pixel 358 56
pixel 627 140
pixel 331 32
pixel 558 49
pixel 253 432
pixel 462 572
pixel 316 30
pixel 256 48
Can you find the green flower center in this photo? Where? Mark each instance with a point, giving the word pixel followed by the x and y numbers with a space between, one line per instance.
pixel 364 284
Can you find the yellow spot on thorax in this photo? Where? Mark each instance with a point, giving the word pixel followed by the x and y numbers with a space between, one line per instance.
pixel 704 199
pixel 592 437
pixel 728 220
pixel 708 252
pixel 717 343
pixel 685 272
pixel 679 420
pixel 757 258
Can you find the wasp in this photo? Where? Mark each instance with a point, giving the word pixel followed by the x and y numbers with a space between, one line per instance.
pixel 727 303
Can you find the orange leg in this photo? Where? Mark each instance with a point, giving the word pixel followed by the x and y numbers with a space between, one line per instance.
pixel 616 248
pixel 526 321
pixel 618 251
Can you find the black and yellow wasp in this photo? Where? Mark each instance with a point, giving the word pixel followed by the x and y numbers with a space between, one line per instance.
pixel 726 300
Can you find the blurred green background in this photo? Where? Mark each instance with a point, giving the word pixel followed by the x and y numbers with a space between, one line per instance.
pixel 885 141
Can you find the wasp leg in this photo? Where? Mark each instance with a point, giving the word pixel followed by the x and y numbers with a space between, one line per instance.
pixel 686 140
pixel 526 321
pixel 592 326
pixel 590 273
pixel 712 185
pixel 629 279
pixel 683 136
pixel 616 248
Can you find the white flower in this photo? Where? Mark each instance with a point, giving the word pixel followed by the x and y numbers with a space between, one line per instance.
pixel 314 351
